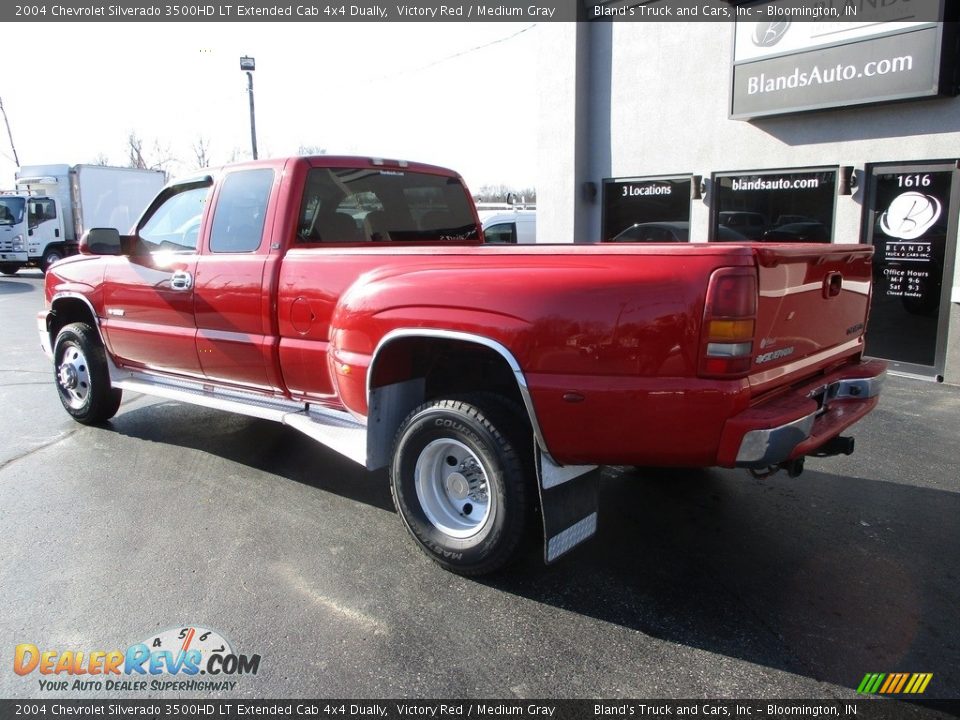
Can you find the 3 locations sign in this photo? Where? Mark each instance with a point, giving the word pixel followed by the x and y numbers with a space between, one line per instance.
pixel 647 209
pixel 789 66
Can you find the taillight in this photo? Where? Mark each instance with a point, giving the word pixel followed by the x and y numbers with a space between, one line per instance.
pixel 729 323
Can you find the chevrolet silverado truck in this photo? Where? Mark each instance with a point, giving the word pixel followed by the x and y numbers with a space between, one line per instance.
pixel 355 300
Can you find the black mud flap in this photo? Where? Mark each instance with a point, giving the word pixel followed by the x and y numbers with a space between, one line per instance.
pixel 569 499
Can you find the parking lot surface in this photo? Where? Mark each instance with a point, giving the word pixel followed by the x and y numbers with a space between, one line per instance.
pixel 699 583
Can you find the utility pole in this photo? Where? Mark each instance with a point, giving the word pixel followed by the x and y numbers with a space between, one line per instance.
pixel 248 64
pixel 10 134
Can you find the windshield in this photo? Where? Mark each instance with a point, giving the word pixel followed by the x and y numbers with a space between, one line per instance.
pixel 11 210
pixel 360 205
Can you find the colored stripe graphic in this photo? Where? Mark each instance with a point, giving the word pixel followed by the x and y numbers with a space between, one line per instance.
pixel 894 683
pixel 899 687
pixel 870 683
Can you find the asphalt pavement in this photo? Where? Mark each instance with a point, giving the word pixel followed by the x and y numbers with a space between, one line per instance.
pixel 699 584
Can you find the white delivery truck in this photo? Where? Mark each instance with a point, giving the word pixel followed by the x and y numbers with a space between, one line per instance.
pixel 42 220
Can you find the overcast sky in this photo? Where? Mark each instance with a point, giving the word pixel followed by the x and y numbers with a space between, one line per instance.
pixel 419 91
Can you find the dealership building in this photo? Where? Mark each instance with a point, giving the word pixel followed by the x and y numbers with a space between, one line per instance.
pixel 822 131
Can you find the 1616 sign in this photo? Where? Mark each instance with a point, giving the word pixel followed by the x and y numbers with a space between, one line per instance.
pixel 912 226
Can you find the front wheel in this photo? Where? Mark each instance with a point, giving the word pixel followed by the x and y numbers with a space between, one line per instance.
pixel 9 268
pixel 82 375
pixel 49 258
pixel 459 484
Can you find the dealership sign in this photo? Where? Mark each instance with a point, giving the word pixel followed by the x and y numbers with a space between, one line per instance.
pixel 911 222
pixel 788 66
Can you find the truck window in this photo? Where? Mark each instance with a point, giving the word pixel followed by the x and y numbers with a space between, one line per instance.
pixel 175 223
pixel 11 210
pixel 501 234
pixel 241 208
pixel 41 210
pixel 380 205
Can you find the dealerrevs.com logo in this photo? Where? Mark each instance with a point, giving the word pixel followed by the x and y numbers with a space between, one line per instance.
pixel 173 660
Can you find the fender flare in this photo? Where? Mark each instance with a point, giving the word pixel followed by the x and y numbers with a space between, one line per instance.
pixel 465 337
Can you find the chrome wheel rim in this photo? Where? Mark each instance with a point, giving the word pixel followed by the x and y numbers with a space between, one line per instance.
pixel 453 488
pixel 73 377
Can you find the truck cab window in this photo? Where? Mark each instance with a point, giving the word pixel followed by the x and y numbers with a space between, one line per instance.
pixel 502 234
pixel 384 205
pixel 41 211
pixel 11 211
pixel 175 223
pixel 241 207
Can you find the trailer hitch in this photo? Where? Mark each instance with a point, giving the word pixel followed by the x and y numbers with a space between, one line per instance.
pixel 793 468
pixel 840 445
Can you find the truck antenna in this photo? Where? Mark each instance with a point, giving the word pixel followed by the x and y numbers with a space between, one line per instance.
pixel 9 134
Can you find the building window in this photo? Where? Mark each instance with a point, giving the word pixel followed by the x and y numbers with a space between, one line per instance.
pixel 652 209
pixel 775 206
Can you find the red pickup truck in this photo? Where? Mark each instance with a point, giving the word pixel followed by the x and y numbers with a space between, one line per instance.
pixel 354 300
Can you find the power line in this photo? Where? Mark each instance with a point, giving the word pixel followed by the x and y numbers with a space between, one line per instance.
pixel 6 122
pixel 478 47
pixel 456 55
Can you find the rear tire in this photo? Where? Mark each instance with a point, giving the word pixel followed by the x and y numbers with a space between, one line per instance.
pixel 459 484
pixel 82 376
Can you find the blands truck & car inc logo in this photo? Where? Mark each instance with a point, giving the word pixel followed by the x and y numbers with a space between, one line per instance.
pixel 172 661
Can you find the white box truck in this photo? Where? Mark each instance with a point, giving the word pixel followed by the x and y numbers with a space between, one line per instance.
pixel 43 219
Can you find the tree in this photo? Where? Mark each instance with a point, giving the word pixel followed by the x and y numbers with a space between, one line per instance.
pixel 102 160
pixel 159 158
pixel 501 194
pixel 201 150
pixel 135 147
pixel 311 150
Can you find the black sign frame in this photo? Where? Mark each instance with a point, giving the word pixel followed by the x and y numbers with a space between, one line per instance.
pixel 916 170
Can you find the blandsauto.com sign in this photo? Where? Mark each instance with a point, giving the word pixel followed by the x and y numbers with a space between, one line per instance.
pixel 792 65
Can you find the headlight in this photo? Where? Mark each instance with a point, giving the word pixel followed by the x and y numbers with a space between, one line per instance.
pixel 18 243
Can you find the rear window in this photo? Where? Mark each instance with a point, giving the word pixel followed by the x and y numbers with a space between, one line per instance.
pixel 381 205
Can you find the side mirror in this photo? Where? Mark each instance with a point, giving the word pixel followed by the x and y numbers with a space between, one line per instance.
pixel 101 241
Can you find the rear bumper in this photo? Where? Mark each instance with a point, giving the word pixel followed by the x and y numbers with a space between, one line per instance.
pixel 798 423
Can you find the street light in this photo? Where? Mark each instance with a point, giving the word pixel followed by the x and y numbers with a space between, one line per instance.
pixel 248 65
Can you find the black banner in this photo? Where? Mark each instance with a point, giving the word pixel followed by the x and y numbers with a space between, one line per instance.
pixel 862 709
pixel 854 11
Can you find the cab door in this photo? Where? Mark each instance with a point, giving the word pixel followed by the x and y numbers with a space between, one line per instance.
pixel 236 341
pixel 44 226
pixel 149 292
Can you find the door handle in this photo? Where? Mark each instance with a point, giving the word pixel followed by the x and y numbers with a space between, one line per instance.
pixel 181 280
pixel 832 284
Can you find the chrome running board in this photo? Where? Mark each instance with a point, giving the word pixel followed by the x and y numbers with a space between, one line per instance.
pixel 340 431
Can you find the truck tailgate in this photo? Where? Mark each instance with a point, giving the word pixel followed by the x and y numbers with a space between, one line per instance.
pixel 812 309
